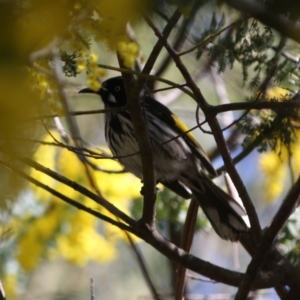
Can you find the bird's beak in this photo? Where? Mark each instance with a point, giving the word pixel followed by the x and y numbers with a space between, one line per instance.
pixel 87 90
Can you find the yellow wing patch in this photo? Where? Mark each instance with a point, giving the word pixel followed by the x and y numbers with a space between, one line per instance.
pixel 182 127
pixel 189 137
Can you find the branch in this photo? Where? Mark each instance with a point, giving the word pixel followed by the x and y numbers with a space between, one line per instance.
pixel 212 36
pixel 77 187
pixel 220 88
pixel 185 73
pixel 269 236
pixel 276 106
pixel 146 155
pixel 66 199
pixel 262 13
pixel 256 142
pixel 74 113
pixel 78 205
pixel 142 136
pixel 153 237
pixel 159 44
pixel 292 58
pixel 216 273
pixel 212 121
pixel 142 265
pixel 186 243
pixel 71 121
pixel 181 36
pixel 148 77
pixel 221 143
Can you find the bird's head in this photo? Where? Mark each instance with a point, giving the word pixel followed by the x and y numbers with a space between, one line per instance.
pixel 112 92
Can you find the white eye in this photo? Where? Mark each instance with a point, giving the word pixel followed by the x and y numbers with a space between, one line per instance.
pixel 117 88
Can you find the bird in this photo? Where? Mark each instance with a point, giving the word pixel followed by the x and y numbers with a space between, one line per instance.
pixel 180 163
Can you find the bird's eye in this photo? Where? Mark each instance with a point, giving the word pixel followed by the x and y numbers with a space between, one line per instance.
pixel 117 88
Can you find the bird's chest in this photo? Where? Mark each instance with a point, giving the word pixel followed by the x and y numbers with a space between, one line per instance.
pixel 170 157
pixel 121 140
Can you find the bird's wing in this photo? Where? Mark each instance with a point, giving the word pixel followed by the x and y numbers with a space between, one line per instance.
pixel 163 113
pixel 178 188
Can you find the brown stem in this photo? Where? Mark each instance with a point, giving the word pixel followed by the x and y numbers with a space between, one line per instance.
pixel 262 13
pixel 66 199
pixel 81 189
pixel 212 121
pixel 267 241
pixel 186 243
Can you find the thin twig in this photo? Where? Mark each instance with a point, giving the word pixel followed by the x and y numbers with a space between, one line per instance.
pixel 275 106
pixel 181 36
pixel 205 268
pixel 147 76
pixel 263 14
pixel 142 265
pixel 186 243
pixel 292 58
pixel 77 187
pixel 156 240
pixel 75 113
pixel 211 37
pixel 219 138
pixel 92 289
pixel 67 199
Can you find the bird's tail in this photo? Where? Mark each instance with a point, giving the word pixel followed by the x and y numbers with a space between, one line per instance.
pixel 223 212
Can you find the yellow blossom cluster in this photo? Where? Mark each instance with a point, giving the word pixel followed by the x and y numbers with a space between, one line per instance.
pixel 107 23
pixel 90 64
pixel 48 99
pixel 34 31
pixel 64 231
pixel 36 232
pixel 80 242
pixel 112 18
pixel 128 51
pixel 277 168
pixel 10 282
pixel 274 173
pixel 277 92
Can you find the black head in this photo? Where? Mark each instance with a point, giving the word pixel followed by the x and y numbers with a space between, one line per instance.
pixel 112 92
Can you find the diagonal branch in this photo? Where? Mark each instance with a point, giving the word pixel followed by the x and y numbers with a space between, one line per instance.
pixel 262 13
pixel 142 136
pixel 181 36
pixel 213 123
pixel 267 241
pixel 230 167
pixel 186 243
pixel 77 187
pixel 159 44
pixel 275 106
pixel 219 274
pixel 211 37
pixel 153 237
pixel 66 199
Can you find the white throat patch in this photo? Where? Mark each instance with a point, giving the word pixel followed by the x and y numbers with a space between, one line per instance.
pixel 112 99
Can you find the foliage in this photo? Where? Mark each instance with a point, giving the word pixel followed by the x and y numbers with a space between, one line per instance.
pixel 52 229
pixel 289 239
pixel 246 43
pixel 44 62
pixel 171 212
